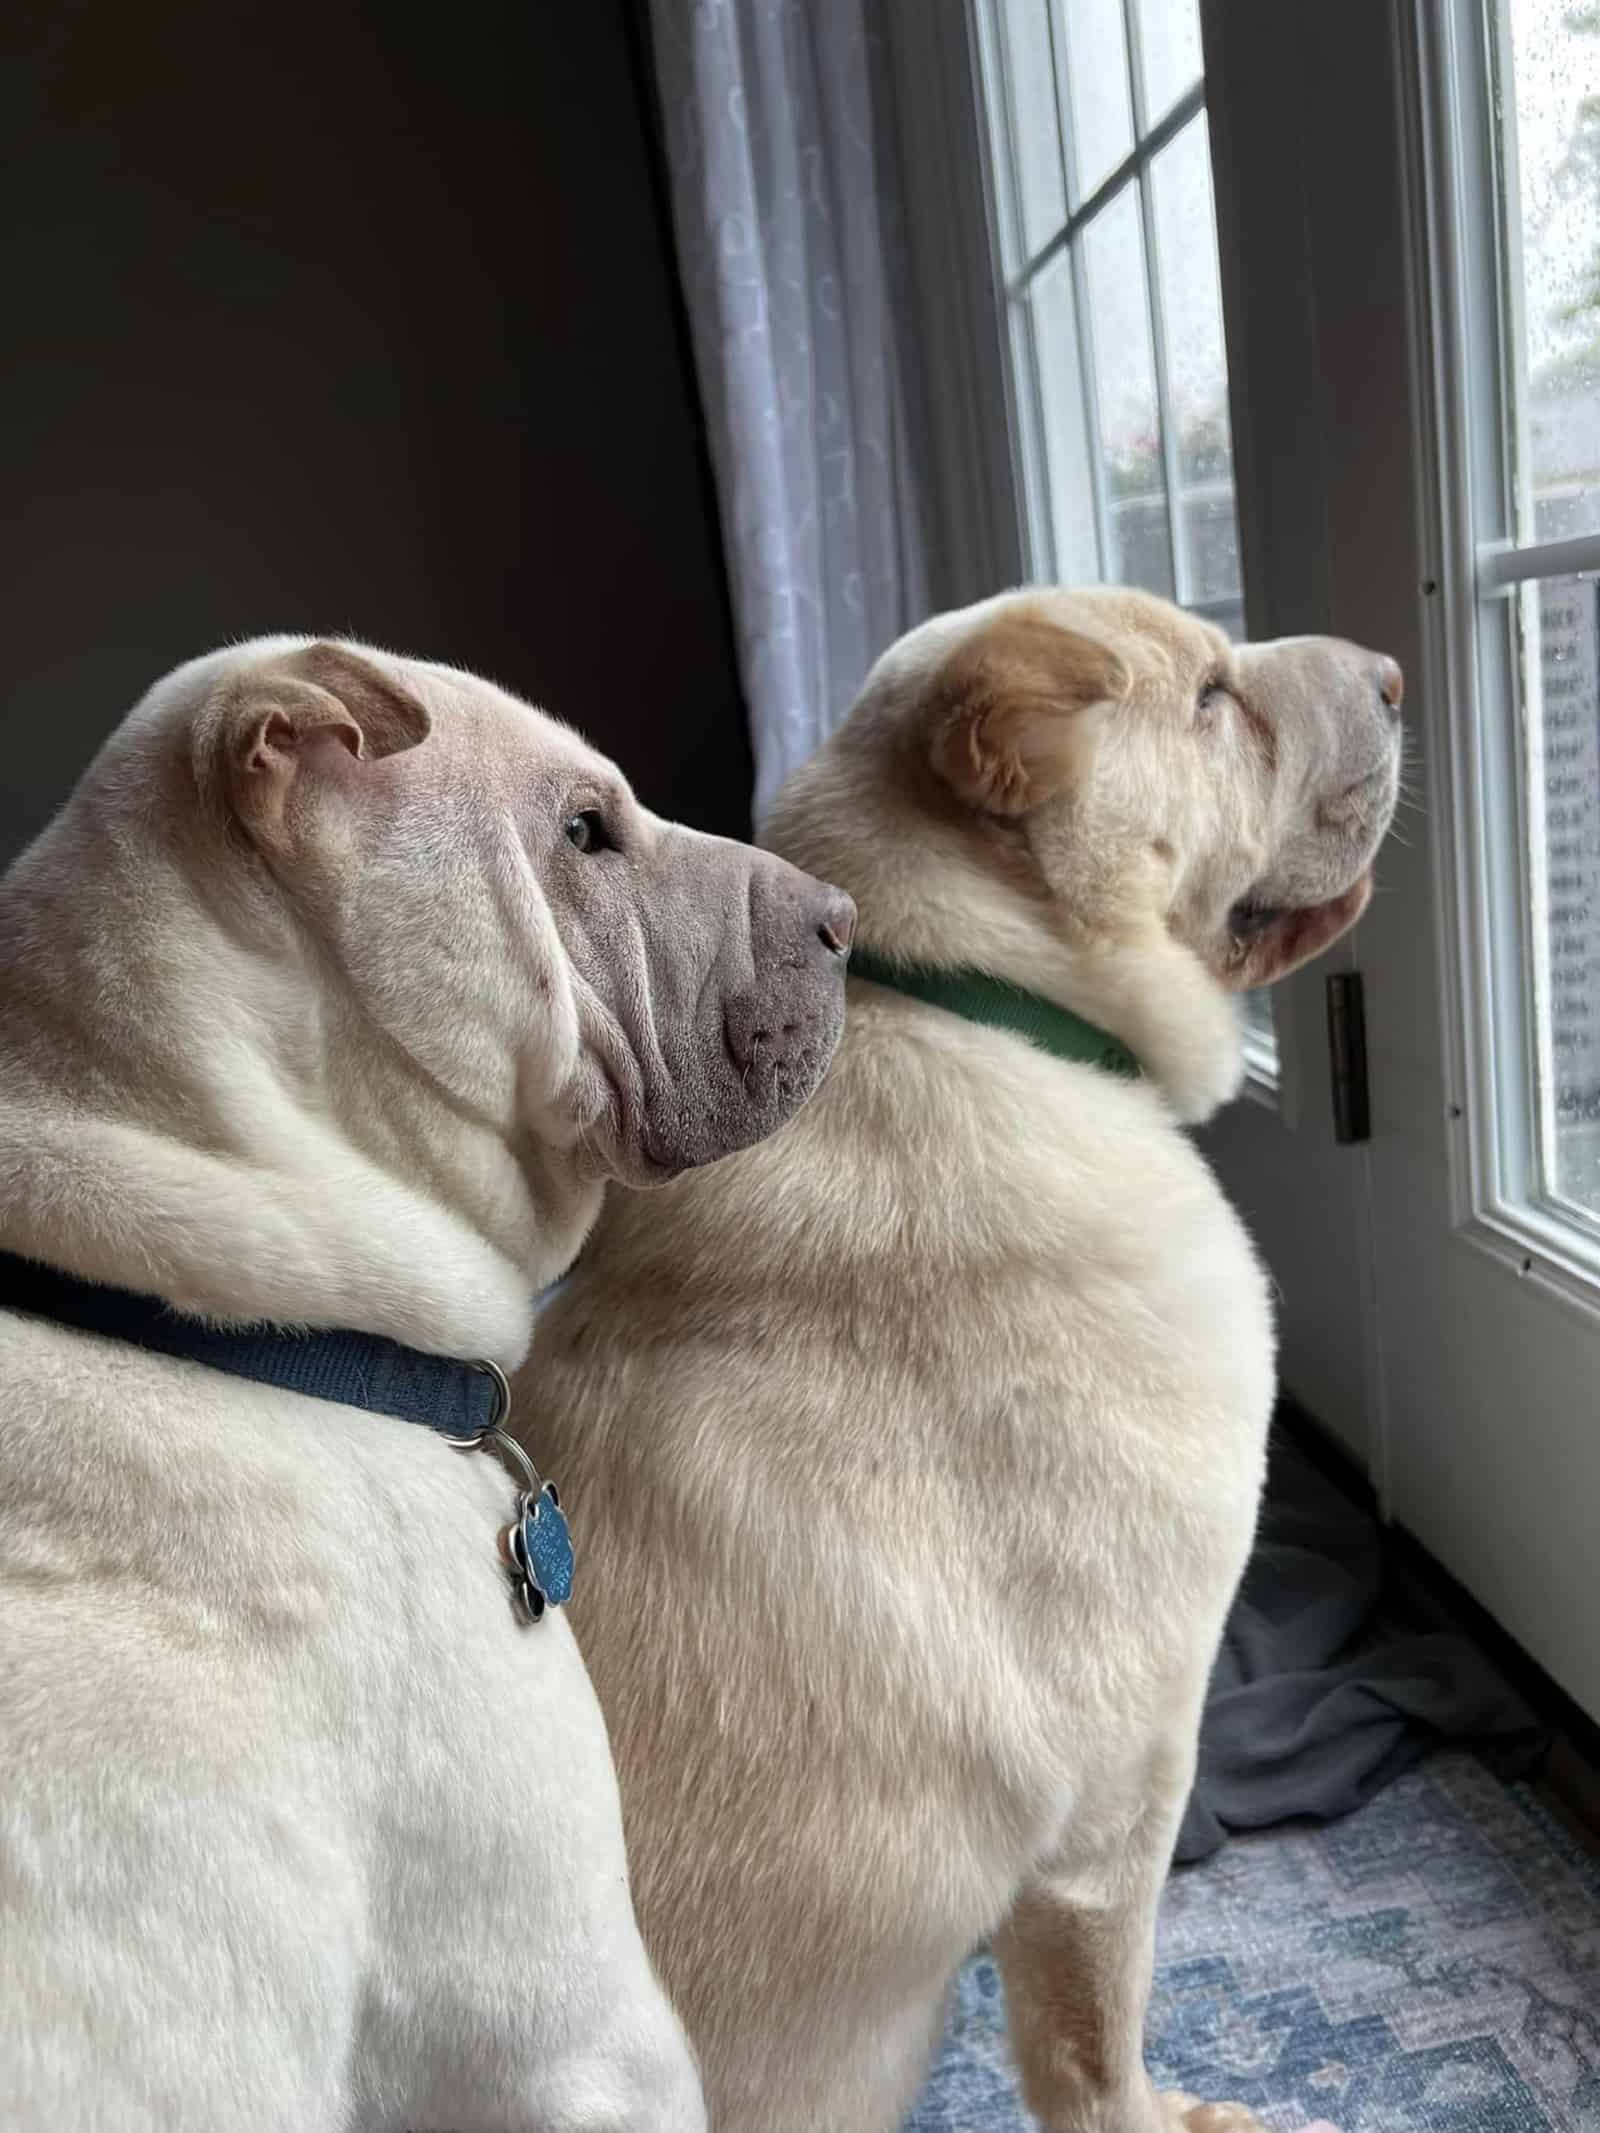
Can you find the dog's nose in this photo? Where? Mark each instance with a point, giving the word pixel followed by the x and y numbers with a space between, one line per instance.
pixel 1391 685
pixel 836 928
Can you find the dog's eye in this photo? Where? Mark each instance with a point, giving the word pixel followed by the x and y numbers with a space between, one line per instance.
pixel 587 832
pixel 1213 695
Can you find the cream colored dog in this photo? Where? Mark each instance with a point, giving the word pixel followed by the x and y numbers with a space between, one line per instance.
pixel 918 1449
pixel 332 998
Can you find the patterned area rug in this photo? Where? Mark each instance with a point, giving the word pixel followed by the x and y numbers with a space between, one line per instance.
pixel 1429 1965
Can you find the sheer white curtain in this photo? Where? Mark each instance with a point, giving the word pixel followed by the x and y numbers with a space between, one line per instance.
pixel 780 141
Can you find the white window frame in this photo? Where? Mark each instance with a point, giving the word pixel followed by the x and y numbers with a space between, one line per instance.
pixel 1464 242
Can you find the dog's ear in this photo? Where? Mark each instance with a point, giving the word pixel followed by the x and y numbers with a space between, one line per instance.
pixel 295 720
pixel 1015 712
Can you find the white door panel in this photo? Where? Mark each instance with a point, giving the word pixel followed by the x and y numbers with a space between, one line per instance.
pixel 1493 1448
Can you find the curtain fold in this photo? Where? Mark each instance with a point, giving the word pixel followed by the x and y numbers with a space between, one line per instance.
pixel 781 148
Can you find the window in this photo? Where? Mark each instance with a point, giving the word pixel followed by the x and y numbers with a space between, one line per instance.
pixel 1525 276
pixel 1118 374
pixel 1109 256
pixel 1550 165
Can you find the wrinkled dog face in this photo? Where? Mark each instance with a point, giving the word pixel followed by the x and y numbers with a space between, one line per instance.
pixel 484 890
pixel 707 976
pixel 1321 718
pixel 1243 790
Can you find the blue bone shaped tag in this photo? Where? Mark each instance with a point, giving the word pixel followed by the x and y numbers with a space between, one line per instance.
pixel 541 1551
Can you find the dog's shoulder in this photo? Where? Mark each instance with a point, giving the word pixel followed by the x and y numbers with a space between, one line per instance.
pixel 945 1177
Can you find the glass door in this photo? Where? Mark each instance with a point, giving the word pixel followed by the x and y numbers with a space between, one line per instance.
pixel 1516 155
pixel 1486 1153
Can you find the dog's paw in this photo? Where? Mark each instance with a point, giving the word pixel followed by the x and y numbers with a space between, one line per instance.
pixel 1187 2114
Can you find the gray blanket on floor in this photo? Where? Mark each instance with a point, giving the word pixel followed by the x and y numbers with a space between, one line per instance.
pixel 1322 1692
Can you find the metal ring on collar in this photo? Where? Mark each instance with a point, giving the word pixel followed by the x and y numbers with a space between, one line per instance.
pixel 502 1408
pixel 502 1386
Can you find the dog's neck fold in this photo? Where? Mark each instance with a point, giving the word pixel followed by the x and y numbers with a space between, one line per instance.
pixel 178 1108
pixel 925 895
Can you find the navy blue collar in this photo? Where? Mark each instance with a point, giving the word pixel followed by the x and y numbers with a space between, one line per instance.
pixel 459 1400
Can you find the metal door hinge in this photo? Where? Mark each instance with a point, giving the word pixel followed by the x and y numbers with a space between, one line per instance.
pixel 1347 1057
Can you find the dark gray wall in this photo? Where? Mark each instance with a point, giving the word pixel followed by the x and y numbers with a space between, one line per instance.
pixel 349 318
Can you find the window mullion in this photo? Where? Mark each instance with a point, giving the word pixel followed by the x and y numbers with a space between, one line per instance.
pixel 1130 32
pixel 1169 438
pixel 1061 59
pixel 1158 316
pixel 1020 328
pixel 1502 566
pixel 1046 519
pixel 1016 240
pixel 1058 76
pixel 1091 411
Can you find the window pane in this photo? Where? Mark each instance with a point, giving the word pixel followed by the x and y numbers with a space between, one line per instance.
pixel 1197 365
pixel 1040 204
pixel 1100 117
pixel 1068 486
pixel 1125 385
pixel 1556 63
pixel 1566 612
pixel 1169 51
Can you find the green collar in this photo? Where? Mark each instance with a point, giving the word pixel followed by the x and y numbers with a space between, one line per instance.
pixel 979 998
